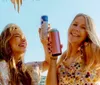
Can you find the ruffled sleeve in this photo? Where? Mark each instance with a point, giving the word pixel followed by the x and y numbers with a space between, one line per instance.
pixel 35 69
pixel 4 78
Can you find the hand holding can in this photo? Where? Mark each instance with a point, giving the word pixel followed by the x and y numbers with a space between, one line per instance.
pixel 54 38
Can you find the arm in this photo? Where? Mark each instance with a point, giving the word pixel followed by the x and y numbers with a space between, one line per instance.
pixel 52 75
pixel 43 65
pixel 46 62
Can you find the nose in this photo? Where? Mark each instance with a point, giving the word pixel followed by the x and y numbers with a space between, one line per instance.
pixel 23 38
pixel 77 28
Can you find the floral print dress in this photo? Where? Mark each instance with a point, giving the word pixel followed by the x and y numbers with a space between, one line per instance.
pixel 34 69
pixel 74 74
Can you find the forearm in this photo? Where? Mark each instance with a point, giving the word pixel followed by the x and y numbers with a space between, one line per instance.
pixel 46 62
pixel 47 55
pixel 52 75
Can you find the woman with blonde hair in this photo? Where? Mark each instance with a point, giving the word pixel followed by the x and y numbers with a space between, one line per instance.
pixel 13 70
pixel 80 63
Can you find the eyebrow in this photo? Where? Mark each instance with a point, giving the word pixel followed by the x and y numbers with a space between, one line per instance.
pixel 77 22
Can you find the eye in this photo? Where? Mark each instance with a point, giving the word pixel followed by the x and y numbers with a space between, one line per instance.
pixel 75 24
pixel 15 27
pixel 83 27
pixel 16 35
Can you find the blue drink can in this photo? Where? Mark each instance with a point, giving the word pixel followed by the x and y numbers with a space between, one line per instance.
pixel 44 27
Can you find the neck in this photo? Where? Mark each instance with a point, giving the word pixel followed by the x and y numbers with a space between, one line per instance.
pixel 74 48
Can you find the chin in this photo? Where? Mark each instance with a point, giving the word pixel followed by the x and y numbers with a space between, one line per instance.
pixel 74 41
pixel 22 51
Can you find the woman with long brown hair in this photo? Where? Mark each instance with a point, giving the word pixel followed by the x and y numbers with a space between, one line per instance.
pixel 13 70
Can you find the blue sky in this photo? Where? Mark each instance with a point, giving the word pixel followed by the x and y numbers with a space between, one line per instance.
pixel 60 14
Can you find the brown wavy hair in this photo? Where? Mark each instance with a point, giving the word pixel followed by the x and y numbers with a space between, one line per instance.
pixel 17 74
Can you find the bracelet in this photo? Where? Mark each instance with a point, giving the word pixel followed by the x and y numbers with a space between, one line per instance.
pixel 53 57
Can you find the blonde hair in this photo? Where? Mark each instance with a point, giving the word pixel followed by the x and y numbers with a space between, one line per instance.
pixel 17 74
pixel 92 50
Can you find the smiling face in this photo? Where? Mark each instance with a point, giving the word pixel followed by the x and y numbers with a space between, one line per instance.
pixel 77 31
pixel 18 42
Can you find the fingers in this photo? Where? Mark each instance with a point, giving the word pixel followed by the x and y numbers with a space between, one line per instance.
pixel 61 46
pixel 49 45
pixel 39 30
pixel 46 42
pixel 49 27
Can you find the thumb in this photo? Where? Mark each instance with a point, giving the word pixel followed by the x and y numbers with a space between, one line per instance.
pixel 61 46
pixel 39 30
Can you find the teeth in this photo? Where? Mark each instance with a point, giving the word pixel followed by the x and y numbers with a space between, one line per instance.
pixel 75 35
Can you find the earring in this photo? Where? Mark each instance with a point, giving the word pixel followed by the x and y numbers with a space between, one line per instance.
pixel 79 48
pixel 85 43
